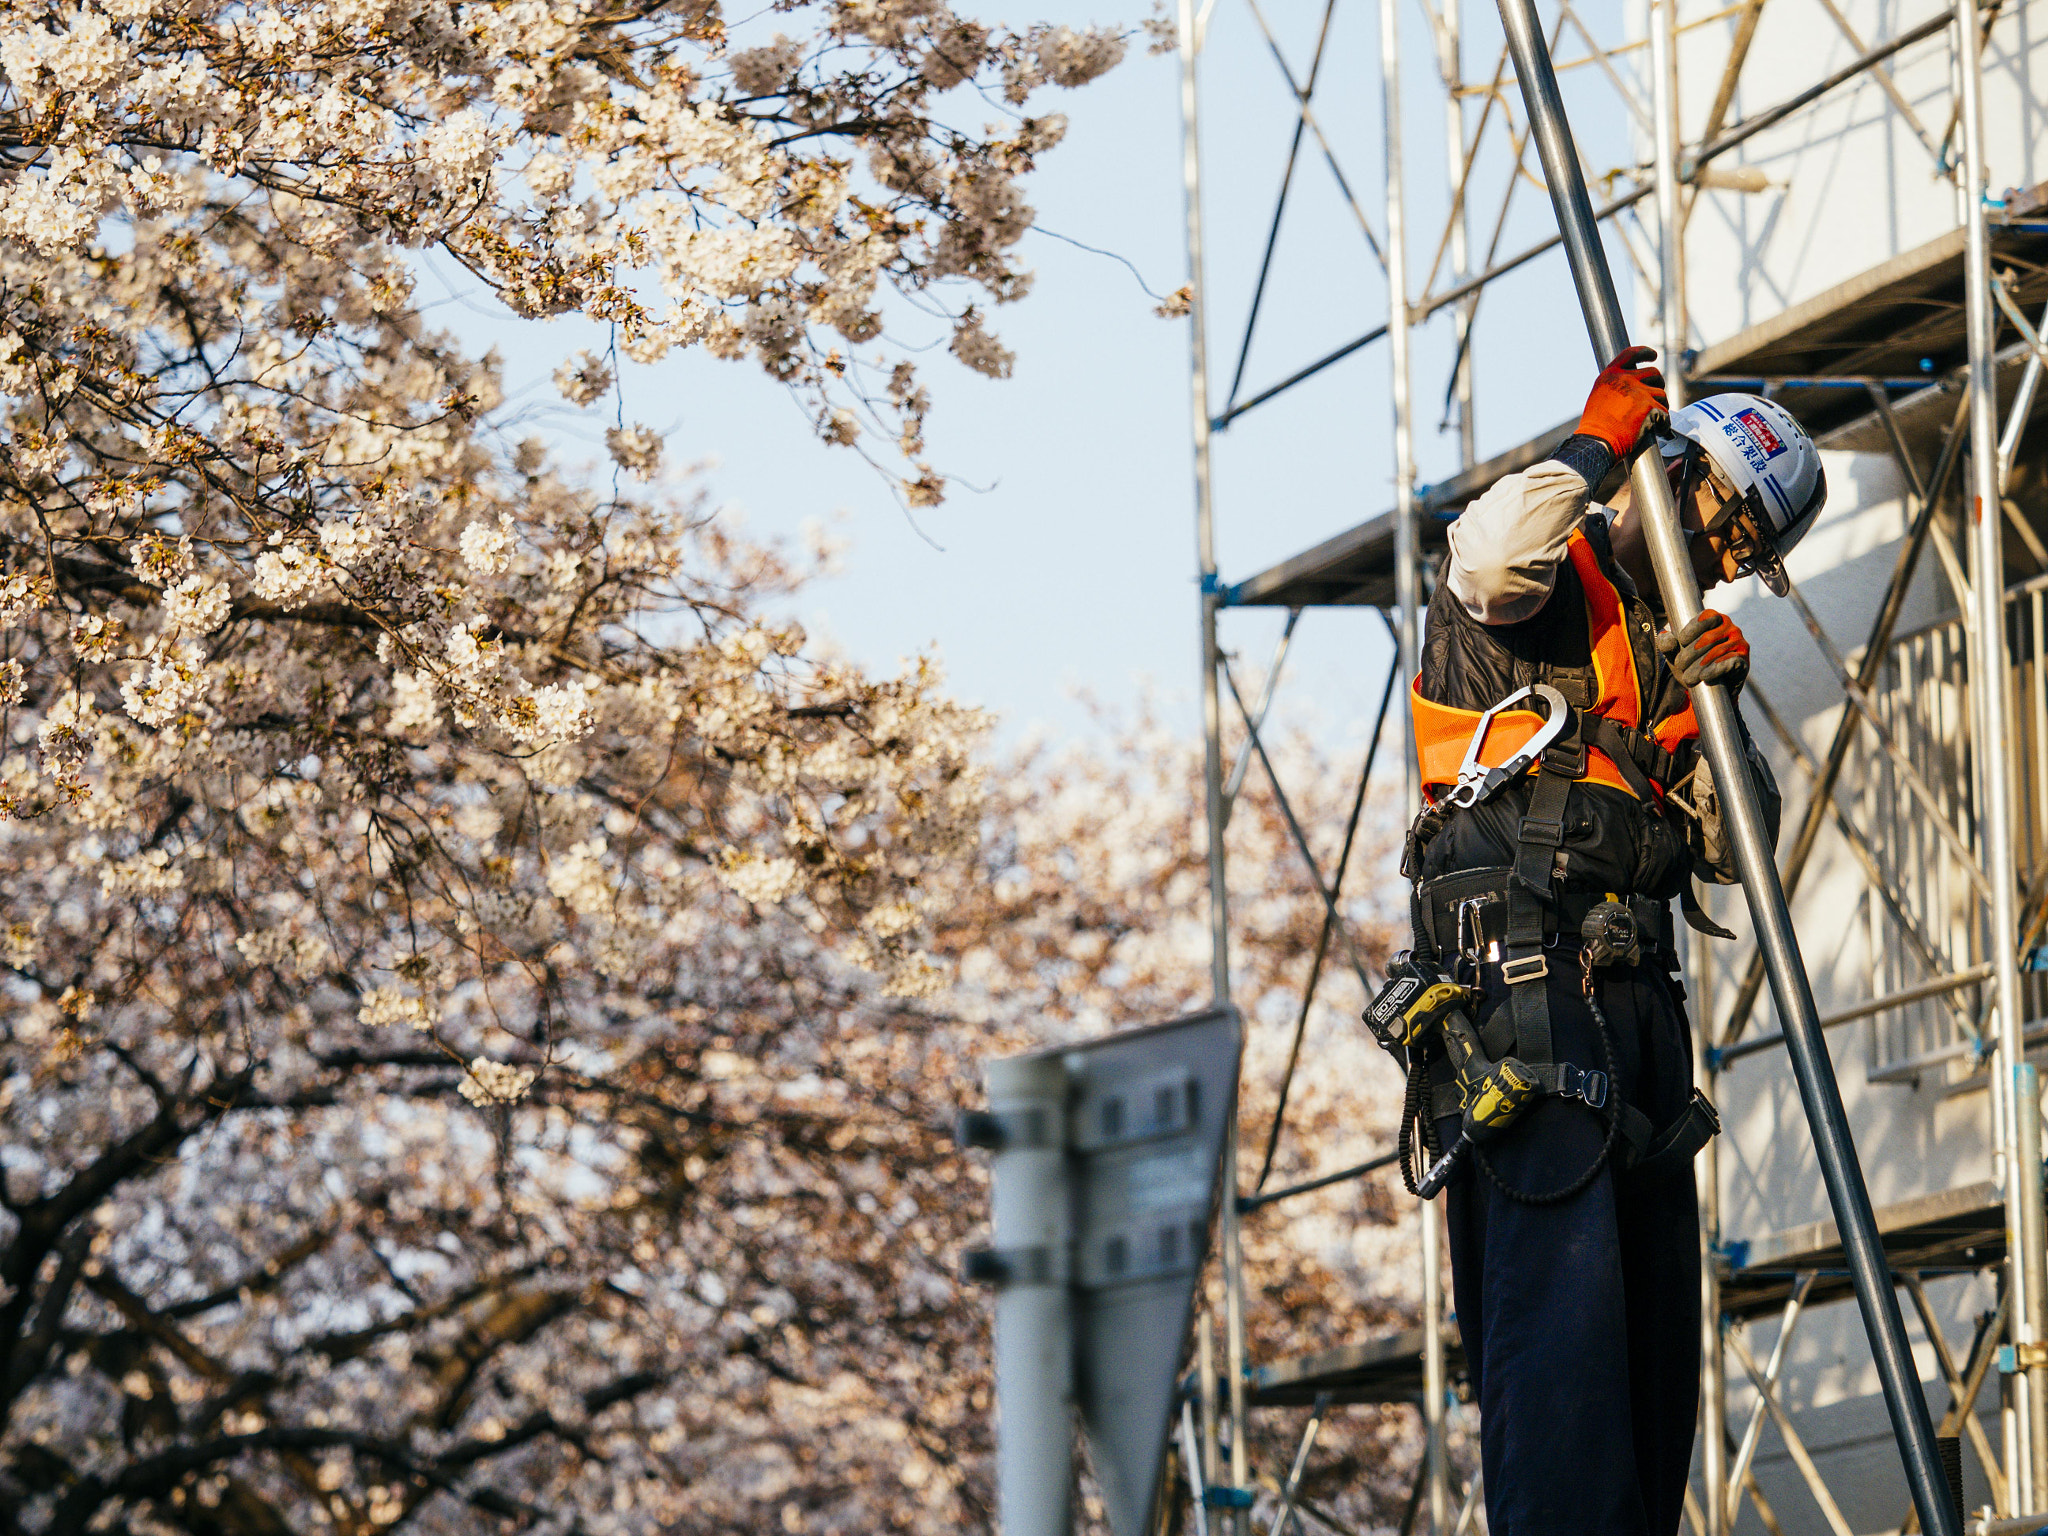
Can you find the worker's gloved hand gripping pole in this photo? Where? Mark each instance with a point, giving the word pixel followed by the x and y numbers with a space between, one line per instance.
pixel 1715 708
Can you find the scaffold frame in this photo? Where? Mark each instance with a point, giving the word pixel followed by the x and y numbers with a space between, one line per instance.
pixel 1385 564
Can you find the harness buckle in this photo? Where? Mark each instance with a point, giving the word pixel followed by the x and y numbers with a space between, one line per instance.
pixel 1528 968
pixel 1476 781
pixel 1568 758
pixel 1582 1083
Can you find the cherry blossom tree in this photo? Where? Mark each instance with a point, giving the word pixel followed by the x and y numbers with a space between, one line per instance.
pixel 209 210
pixel 365 775
pixel 484 997
pixel 700 1275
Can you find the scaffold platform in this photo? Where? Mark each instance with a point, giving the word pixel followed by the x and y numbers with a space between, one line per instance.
pixel 1387 1369
pixel 1952 1231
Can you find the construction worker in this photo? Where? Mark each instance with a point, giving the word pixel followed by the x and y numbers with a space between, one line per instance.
pixel 1574 1233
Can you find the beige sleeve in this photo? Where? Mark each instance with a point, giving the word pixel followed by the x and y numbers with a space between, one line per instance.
pixel 1505 546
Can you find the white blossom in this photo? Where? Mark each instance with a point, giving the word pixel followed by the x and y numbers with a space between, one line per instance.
pixel 198 605
pixel 635 449
pixel 351 541
pixel 415 703
pixel 385 1006
pixel 494 1082
pixel 20 595
pixel 175 679
pixel 149 873
pixel 480 823
pixel 767 71
pixel 69 726
pixel 549 175
pixel 465 653
pixel 163 560
pixel 1071 58
pixel 980 351
pixel 286 576
pixel 580 879
pixel 290 948
pixel 96 637
pixel 487 547
pixel 763 882
pixel 583 378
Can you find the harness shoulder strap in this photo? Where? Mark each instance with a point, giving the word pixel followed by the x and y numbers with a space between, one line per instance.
pixel 1525 966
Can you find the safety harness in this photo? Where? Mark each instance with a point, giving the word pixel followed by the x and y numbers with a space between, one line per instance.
pixel 1517 916
pixel 1618 749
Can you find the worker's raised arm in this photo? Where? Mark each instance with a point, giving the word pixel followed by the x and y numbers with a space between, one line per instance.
pixel 1506 546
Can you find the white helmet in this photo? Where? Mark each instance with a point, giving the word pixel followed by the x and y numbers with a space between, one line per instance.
pixel 1766 460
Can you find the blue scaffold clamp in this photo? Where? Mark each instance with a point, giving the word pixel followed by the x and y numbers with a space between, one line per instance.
pixel 2012 1359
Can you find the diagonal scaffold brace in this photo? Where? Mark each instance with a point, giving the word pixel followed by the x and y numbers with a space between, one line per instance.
pixel 1715 708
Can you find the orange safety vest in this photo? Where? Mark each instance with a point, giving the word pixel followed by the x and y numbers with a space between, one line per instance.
pixel 1443 732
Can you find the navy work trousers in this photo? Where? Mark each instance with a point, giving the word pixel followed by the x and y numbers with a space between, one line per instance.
pixel 1581 1320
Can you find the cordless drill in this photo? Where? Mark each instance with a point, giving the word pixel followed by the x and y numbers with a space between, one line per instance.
pixel 1419 1003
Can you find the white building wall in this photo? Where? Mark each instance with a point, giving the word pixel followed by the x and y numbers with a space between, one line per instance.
pixel 1850 181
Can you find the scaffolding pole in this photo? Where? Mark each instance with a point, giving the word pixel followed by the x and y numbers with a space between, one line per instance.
pixel 1670 219
pixel 1450 62
pixel 1407 590
pixel 1713 1359
pixel 1191 26
pixel 1721 738
pixel 1672 313
pixel 1990 684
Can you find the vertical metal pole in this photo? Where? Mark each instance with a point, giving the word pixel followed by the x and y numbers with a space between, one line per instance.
pixel 1672 312
pixel 1205 1367
pixel 1408 595
pixel 1034 1325
pixel 1988 676
pixel 1205 520
pixel 1670 220
pixel 2026 1109
pixel 1713 1360
pixel 1233 1336
pixel 1212 715
pixel 1451 62
pixel 1721 737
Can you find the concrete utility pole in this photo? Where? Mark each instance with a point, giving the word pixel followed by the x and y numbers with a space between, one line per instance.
pixel 1722 740
pixel 1033 1230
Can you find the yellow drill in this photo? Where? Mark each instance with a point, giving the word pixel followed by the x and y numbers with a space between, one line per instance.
pixel 1420 1002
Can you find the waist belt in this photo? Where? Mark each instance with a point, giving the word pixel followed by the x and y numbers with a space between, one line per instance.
pixel 1468 911
pixel 1648 1151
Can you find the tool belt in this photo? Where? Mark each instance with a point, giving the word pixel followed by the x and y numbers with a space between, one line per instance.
pixel 1466 914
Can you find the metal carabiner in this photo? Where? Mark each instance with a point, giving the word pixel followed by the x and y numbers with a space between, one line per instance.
pixel 1476 781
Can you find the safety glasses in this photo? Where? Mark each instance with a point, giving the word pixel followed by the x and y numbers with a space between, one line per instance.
pixel 1735 521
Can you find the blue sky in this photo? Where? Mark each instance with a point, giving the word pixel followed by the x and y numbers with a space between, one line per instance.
pixel 1072 568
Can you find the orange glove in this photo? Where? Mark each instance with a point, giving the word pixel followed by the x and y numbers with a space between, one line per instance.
pixel 1627 404
pixel 1708 650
